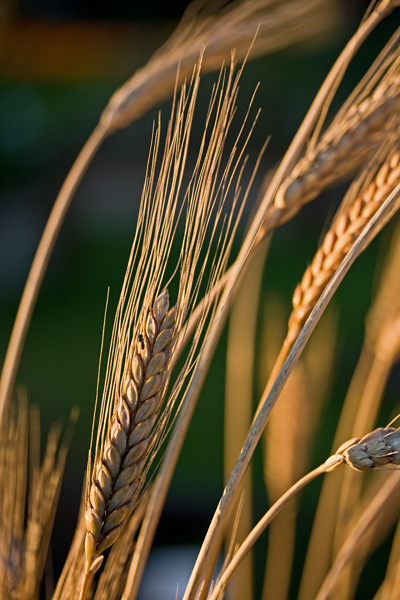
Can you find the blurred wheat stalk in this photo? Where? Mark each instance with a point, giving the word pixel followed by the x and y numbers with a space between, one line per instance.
pixel 148 397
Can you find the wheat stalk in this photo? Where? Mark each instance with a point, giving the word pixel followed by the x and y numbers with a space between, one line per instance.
pixel 296 414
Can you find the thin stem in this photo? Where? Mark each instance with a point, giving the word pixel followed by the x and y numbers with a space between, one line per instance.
pixel 242 332
pixel 261 526
pixel 319 549
pixel 280 360
pixel 40 262
pixel 85 583
pixel 362 526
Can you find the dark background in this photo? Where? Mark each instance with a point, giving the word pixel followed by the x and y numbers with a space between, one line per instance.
pixel 59 64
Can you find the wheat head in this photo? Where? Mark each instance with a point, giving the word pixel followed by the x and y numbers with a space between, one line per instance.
pixel 217 28
pixel 118 473
pixel 355 133
pixel 378 449
pixel 338 242
pixel 139 402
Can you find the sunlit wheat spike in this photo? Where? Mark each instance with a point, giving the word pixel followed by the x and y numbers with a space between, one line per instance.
pixel 376 450
pixel 362 123
pixel 218 28
pixel 339 240
pixel 117 475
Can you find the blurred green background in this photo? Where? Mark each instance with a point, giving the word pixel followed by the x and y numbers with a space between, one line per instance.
pixel 59 64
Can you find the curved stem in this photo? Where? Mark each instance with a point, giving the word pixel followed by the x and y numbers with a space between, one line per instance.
pixel 319 550
pixel 40 262
pixel 366 520
pixel 255 533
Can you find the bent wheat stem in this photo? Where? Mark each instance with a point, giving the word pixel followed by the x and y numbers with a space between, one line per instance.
pixel 40 262
pixel 366 520
pixel 376 450
pixel 255 533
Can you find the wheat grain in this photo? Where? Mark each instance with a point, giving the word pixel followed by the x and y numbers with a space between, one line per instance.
pixel 118 473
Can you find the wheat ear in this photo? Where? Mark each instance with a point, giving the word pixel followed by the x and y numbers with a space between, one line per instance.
pixel 376 450
pixel 358 128
pixel 356 213
pixel 30 491
pixel 133 419
pixel 338 241
pixel 118 472
pixel 341 150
